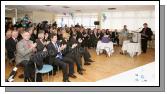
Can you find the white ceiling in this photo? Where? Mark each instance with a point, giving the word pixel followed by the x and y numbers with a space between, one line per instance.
pixel 84 8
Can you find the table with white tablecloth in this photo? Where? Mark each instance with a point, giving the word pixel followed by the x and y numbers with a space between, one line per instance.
pixel 108 47
pixel 131 48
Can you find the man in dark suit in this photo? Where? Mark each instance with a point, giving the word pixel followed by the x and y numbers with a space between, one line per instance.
pixel 11 46
pixel 114 36
pixel 71 52
pixel 55 57
pixel 146 34
pixel 83 52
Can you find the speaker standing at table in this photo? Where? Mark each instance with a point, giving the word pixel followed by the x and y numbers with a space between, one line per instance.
pixel 146 34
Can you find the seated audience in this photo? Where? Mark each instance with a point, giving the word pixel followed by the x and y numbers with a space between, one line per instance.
pixel 24 49
pixel 55 56
pixel 11 46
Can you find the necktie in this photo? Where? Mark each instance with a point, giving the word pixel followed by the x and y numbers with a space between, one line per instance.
pixel 59 55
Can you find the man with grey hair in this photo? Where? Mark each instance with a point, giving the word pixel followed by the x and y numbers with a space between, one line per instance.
pixel 24 49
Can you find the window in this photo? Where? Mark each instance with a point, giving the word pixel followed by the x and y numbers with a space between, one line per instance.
pixel 86 19
pixel 133 19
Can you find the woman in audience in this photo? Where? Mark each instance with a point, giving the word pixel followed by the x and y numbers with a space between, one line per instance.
pixel 105 38
pixel 47 37
pixel 41 43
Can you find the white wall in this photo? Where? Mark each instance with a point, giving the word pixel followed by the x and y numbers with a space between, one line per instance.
pixel 115 20
pixel 20 15
pixel 41 16
pixel 35 16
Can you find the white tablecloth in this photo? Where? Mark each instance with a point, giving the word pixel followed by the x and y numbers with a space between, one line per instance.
pixel 131 48
pixel 108 47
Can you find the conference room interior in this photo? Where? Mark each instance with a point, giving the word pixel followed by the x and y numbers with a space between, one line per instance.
pixel 106 63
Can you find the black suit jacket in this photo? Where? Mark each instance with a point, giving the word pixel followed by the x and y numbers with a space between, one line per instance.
pixel 114 34
pixel 148 33
pixel 52 51
pixel 11 47
pixel 40 45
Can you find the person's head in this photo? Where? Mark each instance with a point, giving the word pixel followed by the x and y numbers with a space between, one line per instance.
pixel 82 29
pixel 110 31
pixel 63 44
pixel 53 37
pixel 30 30
pixel 145 25
pixel 104 33
pixel 125 27
pixel 25 35
pixel 98 30
pixel 116 30
pixel 66 36
pixel 41 35
pixel 8 34
pixel 14 34
pixel 26 15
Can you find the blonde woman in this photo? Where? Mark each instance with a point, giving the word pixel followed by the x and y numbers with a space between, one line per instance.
pixel 40 42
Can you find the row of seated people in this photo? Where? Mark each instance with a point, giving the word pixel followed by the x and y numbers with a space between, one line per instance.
pixel 88 37
pixel 64 52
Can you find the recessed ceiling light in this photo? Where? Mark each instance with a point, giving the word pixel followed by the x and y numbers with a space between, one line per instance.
pixel 66 7
pixel 111 8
